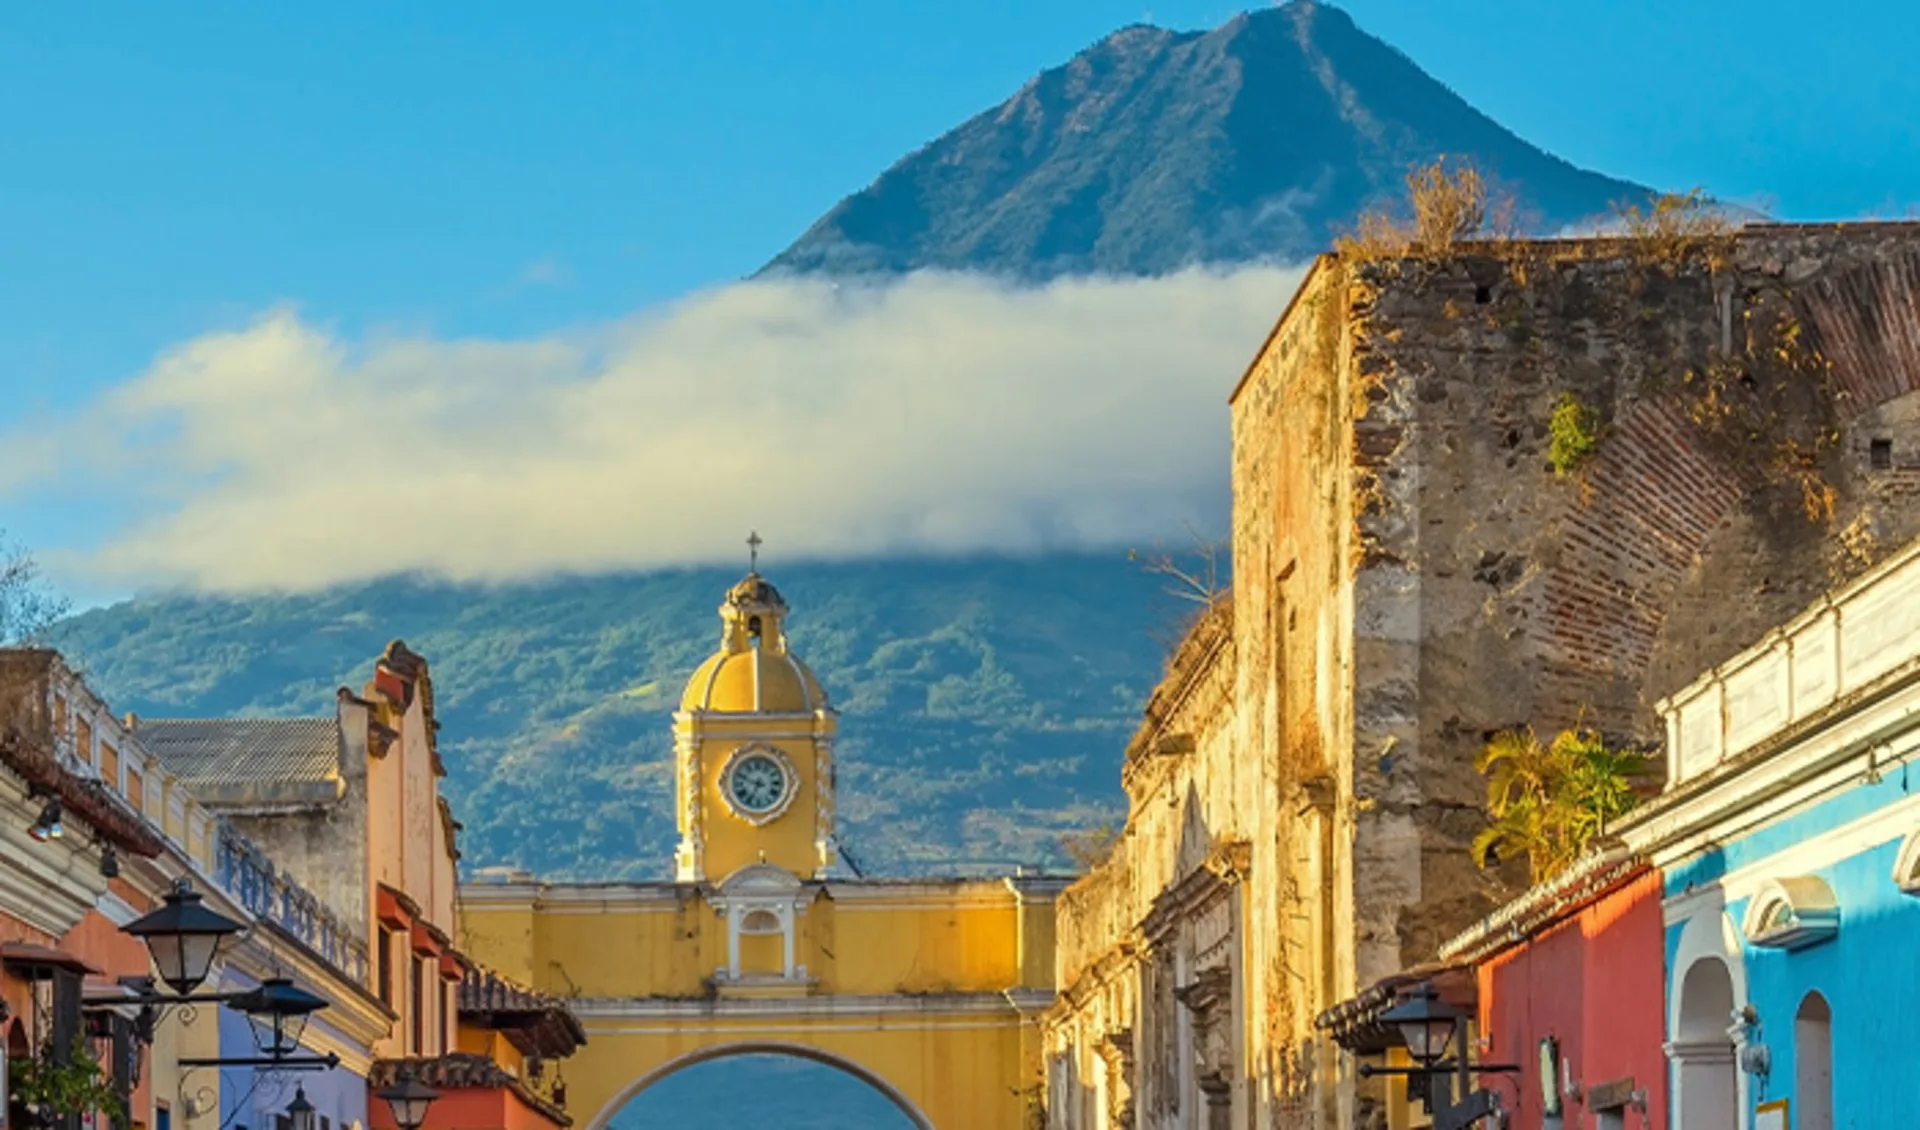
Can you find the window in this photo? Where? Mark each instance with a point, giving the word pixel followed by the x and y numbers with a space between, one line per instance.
pixel 1813 1063
pixel 83 745
pixel 383 963
pixel 1880 454
pixel 419 1006
pixel 162 1117
pixel 136 789
pixel 444 1003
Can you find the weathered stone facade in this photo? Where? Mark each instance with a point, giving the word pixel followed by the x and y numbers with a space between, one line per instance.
pixel 1411 576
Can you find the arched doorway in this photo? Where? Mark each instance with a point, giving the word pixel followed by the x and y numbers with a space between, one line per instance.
pixel 1707 1092
pixel 761 1084
pixel 1813 1064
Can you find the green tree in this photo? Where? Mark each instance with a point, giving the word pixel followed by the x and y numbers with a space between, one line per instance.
pixel 1548 801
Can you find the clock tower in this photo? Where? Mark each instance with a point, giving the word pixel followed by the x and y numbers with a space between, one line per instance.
pixel 753 748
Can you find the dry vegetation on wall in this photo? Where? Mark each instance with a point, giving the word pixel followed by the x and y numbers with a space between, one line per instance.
pixel 1447 202
pixel 1761 398
pixel 1198 579
pixel 1090 848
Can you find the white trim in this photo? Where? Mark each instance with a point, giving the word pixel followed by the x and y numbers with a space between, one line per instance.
pixel 1708 934
pixel 1812 913
pixel 1839 755
pixel 1814 853
pixel 1906 867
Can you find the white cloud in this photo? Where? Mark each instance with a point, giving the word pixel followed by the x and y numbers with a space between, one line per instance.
pixel 942 413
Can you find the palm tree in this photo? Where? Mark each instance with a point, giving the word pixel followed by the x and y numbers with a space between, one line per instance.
pixel 1548 801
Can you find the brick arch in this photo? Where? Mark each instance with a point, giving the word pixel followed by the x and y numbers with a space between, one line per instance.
pixel 1654 498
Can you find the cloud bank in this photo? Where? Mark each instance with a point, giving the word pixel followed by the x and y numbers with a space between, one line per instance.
pixel 941 413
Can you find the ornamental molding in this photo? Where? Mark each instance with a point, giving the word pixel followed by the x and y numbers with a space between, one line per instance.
pixel 1224 868
pixel 742 753
pixel 1792 912
pixel 1906 866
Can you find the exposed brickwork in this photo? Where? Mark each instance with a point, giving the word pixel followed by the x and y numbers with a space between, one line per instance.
pixel 1410 575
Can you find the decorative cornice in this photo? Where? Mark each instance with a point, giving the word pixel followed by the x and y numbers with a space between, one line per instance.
pixel 89 799
pixel 1224 867
pixel 1595 877
pixel 464 1071
pixel 1011 1005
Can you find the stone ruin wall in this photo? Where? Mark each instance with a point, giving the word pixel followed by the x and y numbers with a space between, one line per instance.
pixel 1410 576
pixel 1527 597
pixel 1180 773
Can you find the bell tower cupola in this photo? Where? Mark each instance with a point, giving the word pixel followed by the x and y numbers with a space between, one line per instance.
pixel 753 742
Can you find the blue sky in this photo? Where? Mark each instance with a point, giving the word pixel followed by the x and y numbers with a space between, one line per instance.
pixel 512 170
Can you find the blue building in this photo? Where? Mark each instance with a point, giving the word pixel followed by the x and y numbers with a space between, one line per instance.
pixel 293 936
pixel 1789 837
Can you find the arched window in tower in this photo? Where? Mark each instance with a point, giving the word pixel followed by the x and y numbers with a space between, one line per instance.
pixel 1813 1063
pixel 753 630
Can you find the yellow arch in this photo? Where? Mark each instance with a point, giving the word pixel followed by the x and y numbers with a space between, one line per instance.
pixel 713 1052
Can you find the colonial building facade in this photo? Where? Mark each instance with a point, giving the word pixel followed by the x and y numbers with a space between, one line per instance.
pixel 324 840
pixel 927 989
pixel 1418 564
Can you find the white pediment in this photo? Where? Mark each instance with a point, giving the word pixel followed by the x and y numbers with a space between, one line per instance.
pixel 760 879
pixel 1906 866
pixel 1792 912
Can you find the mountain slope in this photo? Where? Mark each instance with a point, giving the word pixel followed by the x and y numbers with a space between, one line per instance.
pixel 1153 150
pixel 985 703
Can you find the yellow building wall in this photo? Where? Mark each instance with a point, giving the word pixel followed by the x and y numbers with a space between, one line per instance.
pixel 906 985
pixel 954 1073
pixel 731 842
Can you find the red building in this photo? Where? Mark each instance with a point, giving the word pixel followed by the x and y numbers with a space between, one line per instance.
pixel 1571 988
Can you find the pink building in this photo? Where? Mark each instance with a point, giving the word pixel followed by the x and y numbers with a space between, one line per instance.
pixel 1571 987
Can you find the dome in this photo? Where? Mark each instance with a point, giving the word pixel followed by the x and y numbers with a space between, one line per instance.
pixel 753 672
pixel 753 681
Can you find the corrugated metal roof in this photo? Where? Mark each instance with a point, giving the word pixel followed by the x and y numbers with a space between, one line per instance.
pixel 236 751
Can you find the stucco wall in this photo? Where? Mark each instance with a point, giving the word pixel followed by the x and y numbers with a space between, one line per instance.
pixel 1594 983
pixel 1411 576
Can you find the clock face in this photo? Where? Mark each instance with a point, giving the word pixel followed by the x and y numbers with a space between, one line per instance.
pixel 758 783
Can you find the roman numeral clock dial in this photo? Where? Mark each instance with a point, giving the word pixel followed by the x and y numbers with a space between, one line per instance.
pixel 758 785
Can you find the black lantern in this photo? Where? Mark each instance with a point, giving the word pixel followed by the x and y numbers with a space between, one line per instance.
pixel 408 1098
pixel 1426 1023
pixel 279 1012
pixel 183 936
pixel 48 826
pixel 299 1111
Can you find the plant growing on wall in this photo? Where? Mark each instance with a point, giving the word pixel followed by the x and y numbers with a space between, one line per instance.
pixel 1548 801
pixel 1446 202
pixel 1573 433
pixel 49 1087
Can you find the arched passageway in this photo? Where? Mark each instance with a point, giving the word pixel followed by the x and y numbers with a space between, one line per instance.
pixel 761 1085
pixel 1708 1089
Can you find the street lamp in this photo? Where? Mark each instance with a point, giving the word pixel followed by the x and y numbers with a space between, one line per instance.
pixel 183 937
pixel 408 1098
pixel 299 1111
pixel 48 826
pixel 1426 1023
pixel 279 1012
